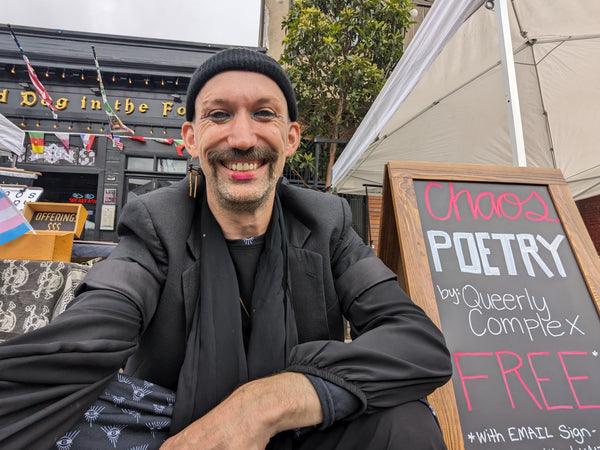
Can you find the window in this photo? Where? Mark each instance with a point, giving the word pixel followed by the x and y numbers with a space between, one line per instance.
pixel 162 165
pixel 146 174
pixel 171 165
pixel 140 164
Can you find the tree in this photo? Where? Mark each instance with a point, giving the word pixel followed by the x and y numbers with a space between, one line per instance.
pixel 338 54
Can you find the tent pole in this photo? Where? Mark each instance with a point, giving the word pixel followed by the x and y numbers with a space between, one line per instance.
pixel 510 84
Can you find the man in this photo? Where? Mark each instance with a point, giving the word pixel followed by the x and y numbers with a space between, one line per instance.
pixel 231 293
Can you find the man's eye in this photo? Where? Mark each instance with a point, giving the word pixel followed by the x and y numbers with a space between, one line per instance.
pixel 218 116
pixel 264 115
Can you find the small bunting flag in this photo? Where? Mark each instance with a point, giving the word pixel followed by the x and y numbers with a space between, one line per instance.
pixel 137 138
pixel 116 141
pixel 88 141
pixel 37 141
pixel 179 146
pixel 64 139
pixel 163 140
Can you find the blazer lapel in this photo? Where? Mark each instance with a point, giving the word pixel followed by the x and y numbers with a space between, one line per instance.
pixel 308 297
pixel 191 275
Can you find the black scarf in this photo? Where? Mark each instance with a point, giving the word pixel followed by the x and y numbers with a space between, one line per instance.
pixel 216 362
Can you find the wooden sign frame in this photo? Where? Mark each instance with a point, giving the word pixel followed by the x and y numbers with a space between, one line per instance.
pixel 402 244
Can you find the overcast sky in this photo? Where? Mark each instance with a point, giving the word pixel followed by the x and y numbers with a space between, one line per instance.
pixel 228 22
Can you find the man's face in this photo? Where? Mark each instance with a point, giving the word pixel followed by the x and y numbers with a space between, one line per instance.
pixel 241 134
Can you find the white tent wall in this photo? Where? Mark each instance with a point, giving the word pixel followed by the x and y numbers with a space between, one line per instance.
pixel 574 112
pixel 456 112
pixel 444 18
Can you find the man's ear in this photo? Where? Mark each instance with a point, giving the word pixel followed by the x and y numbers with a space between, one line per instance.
pixel 189 138
pixel 293 139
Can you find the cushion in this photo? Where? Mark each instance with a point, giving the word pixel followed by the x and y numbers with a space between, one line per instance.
pixel 32 293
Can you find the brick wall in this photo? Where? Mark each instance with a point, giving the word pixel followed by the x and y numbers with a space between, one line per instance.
pixel 375 202
pixel 590 212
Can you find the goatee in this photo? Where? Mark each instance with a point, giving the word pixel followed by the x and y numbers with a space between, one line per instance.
pixel 263 154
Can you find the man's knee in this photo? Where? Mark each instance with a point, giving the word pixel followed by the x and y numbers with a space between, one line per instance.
pixel 408 426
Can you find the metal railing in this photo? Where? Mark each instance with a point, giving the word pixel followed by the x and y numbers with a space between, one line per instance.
pixel 314 178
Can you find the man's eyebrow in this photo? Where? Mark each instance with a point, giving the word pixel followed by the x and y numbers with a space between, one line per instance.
pixel 213 101
pixel 267 100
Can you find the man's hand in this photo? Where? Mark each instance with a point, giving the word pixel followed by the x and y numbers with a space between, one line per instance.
pixel 253 414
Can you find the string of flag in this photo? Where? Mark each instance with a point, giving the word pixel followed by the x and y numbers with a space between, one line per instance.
pixel 116 126
pixel 36 139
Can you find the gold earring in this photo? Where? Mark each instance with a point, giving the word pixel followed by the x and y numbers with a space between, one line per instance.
pixel 195 171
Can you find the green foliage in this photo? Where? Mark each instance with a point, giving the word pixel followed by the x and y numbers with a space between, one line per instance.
pixel 338 54
pixel 302 162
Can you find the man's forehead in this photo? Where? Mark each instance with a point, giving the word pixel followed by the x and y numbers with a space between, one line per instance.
pixel 260 87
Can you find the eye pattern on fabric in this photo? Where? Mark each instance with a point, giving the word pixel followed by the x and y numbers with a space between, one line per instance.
pixel 130 414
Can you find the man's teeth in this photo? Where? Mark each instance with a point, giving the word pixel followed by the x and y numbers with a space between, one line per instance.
pixel 241 167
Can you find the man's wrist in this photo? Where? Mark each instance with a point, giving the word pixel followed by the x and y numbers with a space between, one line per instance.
pixel 337 403
pixel 282 402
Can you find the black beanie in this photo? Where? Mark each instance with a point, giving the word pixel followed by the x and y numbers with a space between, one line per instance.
pixel 239 59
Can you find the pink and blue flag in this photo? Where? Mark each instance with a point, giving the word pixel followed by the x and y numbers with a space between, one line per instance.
pixel 12 223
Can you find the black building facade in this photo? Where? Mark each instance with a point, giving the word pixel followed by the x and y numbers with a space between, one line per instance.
pixel 145 81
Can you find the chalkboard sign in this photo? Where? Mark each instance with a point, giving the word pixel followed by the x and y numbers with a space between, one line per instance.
pixel 500 258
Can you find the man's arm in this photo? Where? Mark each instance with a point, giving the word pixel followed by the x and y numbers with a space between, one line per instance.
pixel 253 414
pixel 49 376
pixel 397 354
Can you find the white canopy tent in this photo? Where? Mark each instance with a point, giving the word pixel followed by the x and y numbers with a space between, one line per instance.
pixel 446 99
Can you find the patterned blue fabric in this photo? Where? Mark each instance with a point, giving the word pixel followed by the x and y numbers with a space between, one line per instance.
pixel 132 414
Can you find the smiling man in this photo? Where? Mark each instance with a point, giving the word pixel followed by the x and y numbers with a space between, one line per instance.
pixel 241 134
pixel 218 321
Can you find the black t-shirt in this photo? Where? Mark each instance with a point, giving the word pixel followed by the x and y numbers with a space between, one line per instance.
pixel 337 403
pixel 245 254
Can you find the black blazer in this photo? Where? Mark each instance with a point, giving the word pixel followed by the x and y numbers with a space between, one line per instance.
pixel 333 275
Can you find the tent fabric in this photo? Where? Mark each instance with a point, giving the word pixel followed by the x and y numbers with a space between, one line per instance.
pixel 454 109
pixel 11 138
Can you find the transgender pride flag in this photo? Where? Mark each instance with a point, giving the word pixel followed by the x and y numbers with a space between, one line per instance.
pixel 12 223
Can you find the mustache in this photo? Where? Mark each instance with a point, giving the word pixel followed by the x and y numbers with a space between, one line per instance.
pixel 255 153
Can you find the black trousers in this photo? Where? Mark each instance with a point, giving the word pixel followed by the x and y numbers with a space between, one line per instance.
pixel 132 413
pixel 409 426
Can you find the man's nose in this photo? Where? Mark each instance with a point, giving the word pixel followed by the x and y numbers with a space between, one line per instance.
pixel 242 132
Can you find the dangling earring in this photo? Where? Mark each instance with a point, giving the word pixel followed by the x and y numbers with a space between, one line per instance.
pixel 195 171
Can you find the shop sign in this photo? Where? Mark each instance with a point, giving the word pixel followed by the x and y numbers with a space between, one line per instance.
pixel 128 106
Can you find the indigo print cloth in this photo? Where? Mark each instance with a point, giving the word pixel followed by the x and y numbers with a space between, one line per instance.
pixel 131 414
